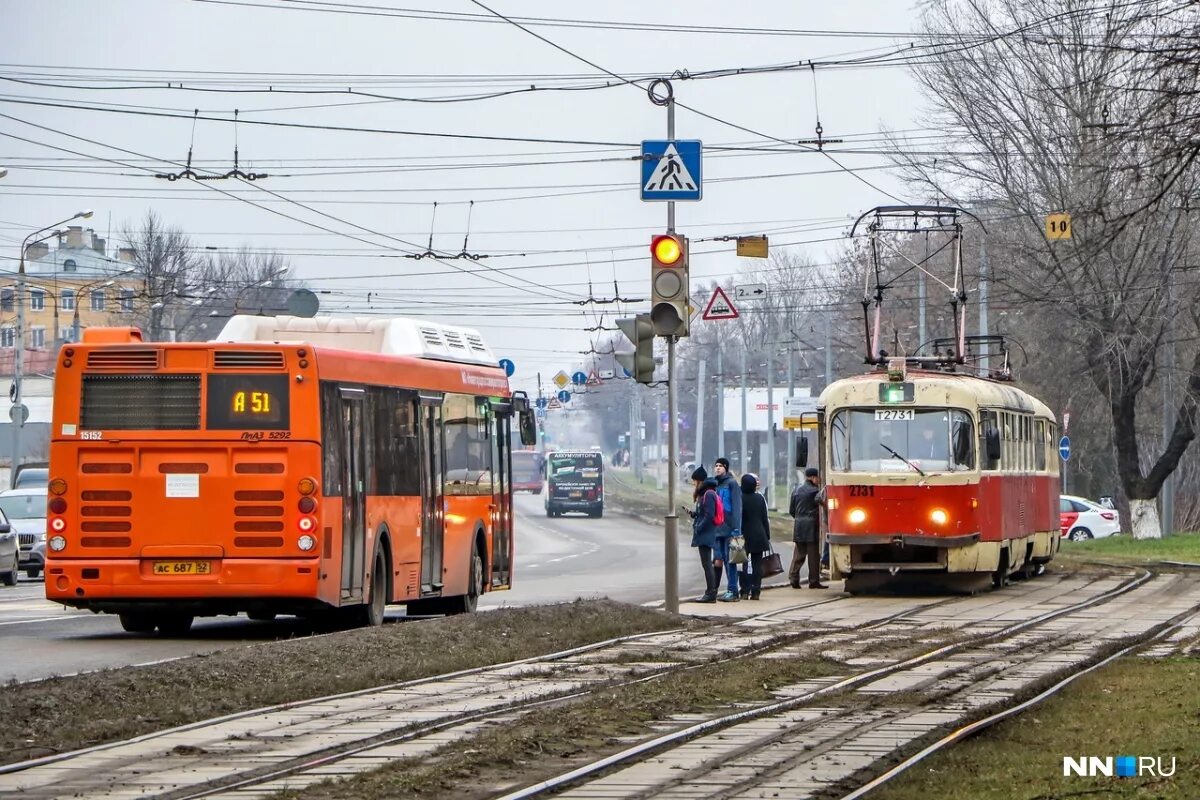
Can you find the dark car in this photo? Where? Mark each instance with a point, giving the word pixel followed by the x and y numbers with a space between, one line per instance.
pixel 575 482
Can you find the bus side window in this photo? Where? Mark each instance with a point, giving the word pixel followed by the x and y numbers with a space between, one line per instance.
pixel 331 440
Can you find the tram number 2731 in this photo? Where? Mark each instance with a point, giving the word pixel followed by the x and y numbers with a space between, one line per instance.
pixel 860 490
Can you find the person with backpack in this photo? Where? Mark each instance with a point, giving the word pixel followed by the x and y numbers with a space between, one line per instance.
pixel 706 517
pixel 730 493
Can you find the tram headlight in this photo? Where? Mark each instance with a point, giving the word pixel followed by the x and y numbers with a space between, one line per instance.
pixel 57 543
pixel 857 516
pixel 939 516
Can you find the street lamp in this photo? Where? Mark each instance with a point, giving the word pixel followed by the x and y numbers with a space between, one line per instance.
pixel 17 413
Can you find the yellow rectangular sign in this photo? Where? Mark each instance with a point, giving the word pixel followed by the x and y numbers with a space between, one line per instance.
pixel 799 424
pixel 1058 226
pixel 752 246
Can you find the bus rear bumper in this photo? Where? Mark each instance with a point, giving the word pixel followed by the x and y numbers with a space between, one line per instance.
pixel 116 585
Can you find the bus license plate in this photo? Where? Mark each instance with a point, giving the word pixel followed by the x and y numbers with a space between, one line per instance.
pixel 182 567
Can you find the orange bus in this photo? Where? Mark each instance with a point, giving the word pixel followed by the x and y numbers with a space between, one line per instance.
pixel 320 466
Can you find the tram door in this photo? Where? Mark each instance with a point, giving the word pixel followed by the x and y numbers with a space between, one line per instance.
pixel 433 507
pixel 354 532
pixel 501 506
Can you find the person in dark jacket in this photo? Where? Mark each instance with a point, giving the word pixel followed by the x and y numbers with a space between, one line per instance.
pixel 704 530
pixel 731 496
pixel 756 530
pixel 805 509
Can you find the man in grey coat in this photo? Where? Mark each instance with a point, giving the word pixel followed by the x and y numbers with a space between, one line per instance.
pixel 805 509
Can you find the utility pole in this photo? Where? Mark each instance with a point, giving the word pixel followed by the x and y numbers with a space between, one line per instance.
pixel 828 347
pixel 983 298
pixel 720 401
pixel 18 409
pixel 770 476
pixel 745 459
pixel 658 442
pixel 700 369
pixel 1167 522
pixel 921 306
pixel 791 434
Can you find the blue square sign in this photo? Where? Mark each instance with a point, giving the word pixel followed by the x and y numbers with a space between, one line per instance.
pixel 671 169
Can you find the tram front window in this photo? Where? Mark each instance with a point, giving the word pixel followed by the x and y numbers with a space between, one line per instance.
pixel 899 440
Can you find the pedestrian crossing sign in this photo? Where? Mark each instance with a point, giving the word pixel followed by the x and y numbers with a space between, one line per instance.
pixel 671 169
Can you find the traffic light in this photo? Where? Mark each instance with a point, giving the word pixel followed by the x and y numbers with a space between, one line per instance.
pixel 639 363
pixel 669 284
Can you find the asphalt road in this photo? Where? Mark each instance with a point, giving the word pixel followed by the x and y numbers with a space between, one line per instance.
pixel 557 560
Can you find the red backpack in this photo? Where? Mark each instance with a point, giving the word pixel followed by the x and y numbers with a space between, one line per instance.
pixel 719 514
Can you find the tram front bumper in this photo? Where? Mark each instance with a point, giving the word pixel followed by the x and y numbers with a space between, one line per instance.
pixel 850 553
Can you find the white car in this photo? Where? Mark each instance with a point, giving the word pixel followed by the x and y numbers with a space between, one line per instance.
pixel 25 510
pixel 1081 519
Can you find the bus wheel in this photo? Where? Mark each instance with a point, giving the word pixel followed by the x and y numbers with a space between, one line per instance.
pixel 467 603
pixel 134 622
pixel 261 616
pixel 371 613
pixel 174 624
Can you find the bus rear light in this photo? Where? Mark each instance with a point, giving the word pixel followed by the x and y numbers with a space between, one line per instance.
pixel 307 486
pixel 58 524
pixel 57 486
pixel 939 516
pixel 306 542
pixel 857 516
pixel 57 543
pixel 306 524
pixel 57 505
pixel 307 505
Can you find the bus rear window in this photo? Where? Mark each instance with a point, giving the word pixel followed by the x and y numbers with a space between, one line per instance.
pixel 248 402
pixel 140 403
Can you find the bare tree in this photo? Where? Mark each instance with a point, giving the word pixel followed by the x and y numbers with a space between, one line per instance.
pixel 165 261
pixel 1030 100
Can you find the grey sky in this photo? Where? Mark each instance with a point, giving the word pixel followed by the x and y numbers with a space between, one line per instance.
pixel 600 228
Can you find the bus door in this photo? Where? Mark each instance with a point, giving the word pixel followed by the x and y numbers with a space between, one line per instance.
pixel 354 531
pixel 501 507
pixel 429 420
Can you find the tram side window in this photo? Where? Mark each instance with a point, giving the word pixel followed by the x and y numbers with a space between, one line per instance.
pixel 962 441
pixel 1040 446
pixel 988 428
pixel 839 442
pixel 468 453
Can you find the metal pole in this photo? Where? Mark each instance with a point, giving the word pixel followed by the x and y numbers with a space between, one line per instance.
pixel 791 434
pixel 828 348
pixel 920 307
pixel 983 298
pixel 671 528
pixel 770 476
pixel 671 525
pixel 701 364
pixel 720 402
pixel 16 417
pixel 658 441
pixel 745 459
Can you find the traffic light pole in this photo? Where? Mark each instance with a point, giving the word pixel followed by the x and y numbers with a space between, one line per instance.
pixel 671 523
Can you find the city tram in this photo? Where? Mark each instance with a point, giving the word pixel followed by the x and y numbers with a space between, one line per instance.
pixel 935 474
pixel 322 466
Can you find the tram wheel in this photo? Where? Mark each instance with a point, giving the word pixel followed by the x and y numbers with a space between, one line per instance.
pixel 1000 576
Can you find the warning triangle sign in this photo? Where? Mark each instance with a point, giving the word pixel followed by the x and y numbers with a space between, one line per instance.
pixel 593 379
pixel 554 403
pixel 670 174
pixel 720 306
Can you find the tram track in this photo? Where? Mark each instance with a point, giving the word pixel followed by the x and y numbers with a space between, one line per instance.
pixel 252 754
pixel 794 748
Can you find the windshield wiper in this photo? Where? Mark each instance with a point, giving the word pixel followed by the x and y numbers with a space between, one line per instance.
pixel 902 458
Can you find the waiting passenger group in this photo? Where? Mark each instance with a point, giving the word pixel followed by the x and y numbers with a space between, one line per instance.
pixel 732 533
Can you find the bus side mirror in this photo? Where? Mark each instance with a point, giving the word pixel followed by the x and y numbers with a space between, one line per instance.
pixel 802 452
pixel 992 438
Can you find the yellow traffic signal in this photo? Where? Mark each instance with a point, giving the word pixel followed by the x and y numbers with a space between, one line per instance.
pixel 669 284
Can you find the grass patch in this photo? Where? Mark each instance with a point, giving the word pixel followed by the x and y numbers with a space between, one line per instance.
pixel 62 714
pixel 549 741
pixel 1127 550
pixel 1136 706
